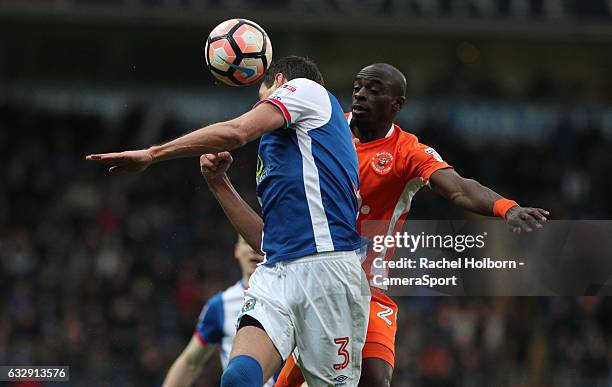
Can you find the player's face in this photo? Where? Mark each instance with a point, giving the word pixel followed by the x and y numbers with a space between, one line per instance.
pixel 247 257
pixel 372 100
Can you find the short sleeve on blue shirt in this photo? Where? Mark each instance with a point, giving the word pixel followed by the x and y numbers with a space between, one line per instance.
pixel 210 323
pixel 304 104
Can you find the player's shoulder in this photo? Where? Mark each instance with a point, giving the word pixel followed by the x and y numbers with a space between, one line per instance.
pixel 406 139
pixel 233 292
pixel 300 89
pixel 409 146
pixel 408 143
pixel 212 307
pixel 227 298
pixel 216 301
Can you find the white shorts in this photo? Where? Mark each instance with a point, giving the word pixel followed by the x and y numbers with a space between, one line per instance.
pixel 319 304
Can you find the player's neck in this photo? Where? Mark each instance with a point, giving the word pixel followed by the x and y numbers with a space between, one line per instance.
pixel 374 132
pixel 245 280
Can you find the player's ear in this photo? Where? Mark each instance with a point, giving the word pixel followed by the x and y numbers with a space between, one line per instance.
pixel 280 79
pixel 398 104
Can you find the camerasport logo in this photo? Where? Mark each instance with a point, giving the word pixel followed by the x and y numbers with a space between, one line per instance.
pixel 381 162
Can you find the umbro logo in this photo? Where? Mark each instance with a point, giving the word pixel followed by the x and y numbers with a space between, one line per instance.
pixel 340 379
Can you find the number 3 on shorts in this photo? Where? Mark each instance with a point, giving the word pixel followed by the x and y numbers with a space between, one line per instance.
pixel 342 352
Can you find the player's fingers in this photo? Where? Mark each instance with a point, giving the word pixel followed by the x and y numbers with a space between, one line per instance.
pixel 207 166
pixel 205 159
pixel 542 213
pixel 115 159
pixel 519 222
pixel 226 156
pixel 537 215
pixel 104 158
pixel 112 156
pixel 208 160
pixel 212 161
pixel 528 217
pixel 204 162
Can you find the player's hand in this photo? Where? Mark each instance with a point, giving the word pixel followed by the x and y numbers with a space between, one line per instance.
pixel 214 166
pixel 128 161
pixel 525 218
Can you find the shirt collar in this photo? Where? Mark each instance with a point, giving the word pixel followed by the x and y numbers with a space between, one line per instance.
pixel 390 132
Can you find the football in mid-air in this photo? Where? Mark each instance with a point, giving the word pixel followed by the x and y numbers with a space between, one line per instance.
pixel 238 52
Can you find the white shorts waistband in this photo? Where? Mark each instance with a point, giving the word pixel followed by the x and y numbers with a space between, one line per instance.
pixel 324 256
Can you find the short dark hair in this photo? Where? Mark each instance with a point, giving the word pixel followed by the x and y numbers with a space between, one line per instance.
pixel 293 67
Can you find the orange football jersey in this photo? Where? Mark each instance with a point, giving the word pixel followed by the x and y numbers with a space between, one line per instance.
pixel 391 171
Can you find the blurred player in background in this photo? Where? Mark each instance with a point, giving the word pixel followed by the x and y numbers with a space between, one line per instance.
pixel 393 166
pixel 310 291
pixel 217 324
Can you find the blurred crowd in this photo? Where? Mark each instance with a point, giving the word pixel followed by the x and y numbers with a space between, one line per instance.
pixel 108 274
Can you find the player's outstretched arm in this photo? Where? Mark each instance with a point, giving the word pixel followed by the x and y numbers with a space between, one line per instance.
pixel 473 196
pixel 244 219
pixel 188 366
pixel 214 138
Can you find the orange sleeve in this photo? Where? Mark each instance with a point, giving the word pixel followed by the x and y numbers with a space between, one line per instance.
pixel 423 160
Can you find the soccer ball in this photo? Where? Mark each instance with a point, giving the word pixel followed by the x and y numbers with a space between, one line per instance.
pixel 238 52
